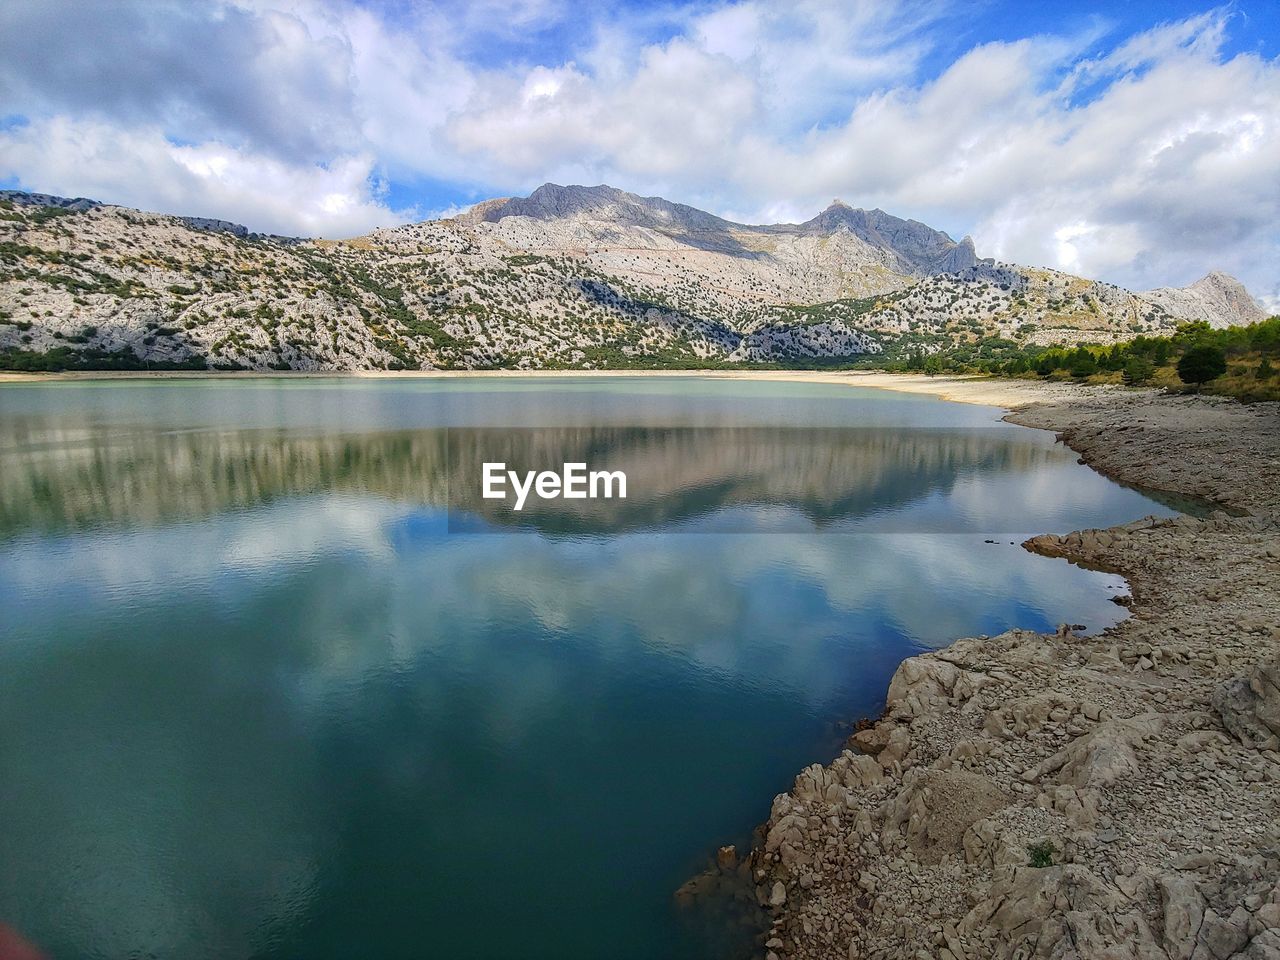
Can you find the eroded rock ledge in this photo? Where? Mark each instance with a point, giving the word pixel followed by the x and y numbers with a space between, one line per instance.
pixel 1056 796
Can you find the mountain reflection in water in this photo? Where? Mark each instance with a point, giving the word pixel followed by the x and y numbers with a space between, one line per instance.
pixel 679 478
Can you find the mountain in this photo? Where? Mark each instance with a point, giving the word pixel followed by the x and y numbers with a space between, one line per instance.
pixel 570 276
pixel 1217 298
pixel 920 250
pixel 601 203
pixel 910 247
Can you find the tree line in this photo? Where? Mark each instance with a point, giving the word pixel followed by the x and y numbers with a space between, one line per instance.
pixel 1197 353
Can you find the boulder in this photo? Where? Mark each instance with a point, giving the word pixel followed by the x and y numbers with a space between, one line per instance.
pixel 1250 706
pixel 1265 946
pixel 919 681
pixel 1102 756
pixel 727 858
pixel 1183 909
pixel 1026 904
pixel 896 747
pixel 1221 938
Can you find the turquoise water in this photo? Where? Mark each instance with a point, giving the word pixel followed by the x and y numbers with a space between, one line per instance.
pixel 275 683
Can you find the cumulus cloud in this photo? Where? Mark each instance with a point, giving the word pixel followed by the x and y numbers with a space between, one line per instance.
pixel 1144 159
pixel 264 76
pixel 142 168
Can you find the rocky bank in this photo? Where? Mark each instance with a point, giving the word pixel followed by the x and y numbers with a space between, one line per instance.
pixel 1062 796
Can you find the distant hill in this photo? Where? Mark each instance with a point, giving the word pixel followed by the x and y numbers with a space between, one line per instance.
pixel 570 276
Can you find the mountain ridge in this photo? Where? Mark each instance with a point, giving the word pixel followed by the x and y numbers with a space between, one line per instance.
pixel 556 201
pixel 569 276
pixel 920 250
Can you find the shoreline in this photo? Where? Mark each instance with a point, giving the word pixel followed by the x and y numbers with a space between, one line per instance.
pixel 965 388
pixel 1049 795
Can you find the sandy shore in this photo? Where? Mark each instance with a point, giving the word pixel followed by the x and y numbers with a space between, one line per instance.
pixel 1056 796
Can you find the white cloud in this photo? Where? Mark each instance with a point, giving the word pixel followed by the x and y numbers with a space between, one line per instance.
pixel 141 168
pixel 1145 160
pixel 144 169
pixel 1146 165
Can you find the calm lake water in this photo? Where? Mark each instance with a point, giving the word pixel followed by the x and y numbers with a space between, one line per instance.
pixel 276 683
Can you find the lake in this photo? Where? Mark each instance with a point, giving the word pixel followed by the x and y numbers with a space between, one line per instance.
pixel 275 682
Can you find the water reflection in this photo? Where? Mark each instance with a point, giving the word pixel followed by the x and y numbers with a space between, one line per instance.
pixel 721 479
pixel 319 727
pixel 259 698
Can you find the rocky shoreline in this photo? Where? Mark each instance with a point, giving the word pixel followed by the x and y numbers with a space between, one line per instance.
pixel 1057 796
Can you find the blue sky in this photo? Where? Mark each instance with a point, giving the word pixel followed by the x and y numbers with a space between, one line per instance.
pixel 1136 142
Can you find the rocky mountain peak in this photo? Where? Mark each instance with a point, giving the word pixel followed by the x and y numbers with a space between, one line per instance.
pixel 552 201
pixel 1217 297
pixel 1218 281
pixel 922 249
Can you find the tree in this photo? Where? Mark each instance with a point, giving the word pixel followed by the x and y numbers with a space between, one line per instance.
pixel 1265 335
pixel 933 364
pixel 1115 358
pixel 1265 371
pixel 1196 333
pixel 1138 370
pixel 1201 364
pixel 1046 364
pixel 1083 364
pixel 1015 367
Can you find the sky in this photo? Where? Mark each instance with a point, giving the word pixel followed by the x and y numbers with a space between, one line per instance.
pixel 1136 142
